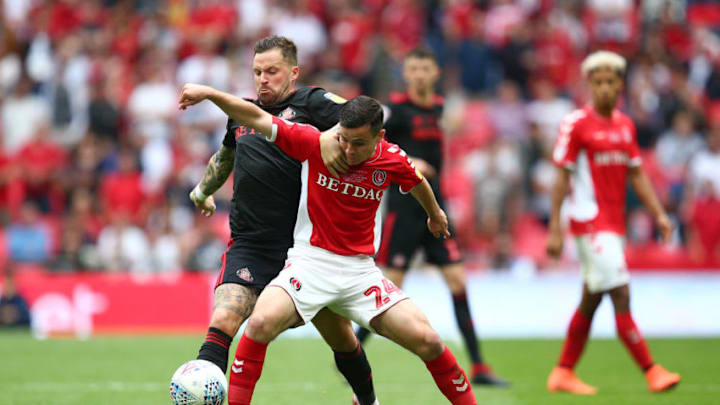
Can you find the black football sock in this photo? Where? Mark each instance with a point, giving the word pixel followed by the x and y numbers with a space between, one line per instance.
pixel 356 369
pixel 362 334
pixel 465 323
pixel 215 349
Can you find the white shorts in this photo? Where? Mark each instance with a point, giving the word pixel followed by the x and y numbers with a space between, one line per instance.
pixel 350 286
pixel 602 261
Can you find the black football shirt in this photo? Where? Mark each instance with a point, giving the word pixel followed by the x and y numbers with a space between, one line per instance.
pixel 417 131
pixel 266 182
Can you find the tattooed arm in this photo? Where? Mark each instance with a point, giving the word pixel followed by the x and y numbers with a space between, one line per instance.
pixel 218 170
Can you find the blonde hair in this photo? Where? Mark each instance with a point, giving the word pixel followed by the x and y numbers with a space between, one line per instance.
pixel 603 59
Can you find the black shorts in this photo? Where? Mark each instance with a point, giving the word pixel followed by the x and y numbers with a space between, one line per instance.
pixel 250 266
pixel 404 232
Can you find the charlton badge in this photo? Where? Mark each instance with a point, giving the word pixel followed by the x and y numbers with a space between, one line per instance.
pixel 295 283
pixel 379 177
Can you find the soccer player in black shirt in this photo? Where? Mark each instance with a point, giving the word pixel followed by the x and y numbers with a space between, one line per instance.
pixel 413 125
pixel 264 208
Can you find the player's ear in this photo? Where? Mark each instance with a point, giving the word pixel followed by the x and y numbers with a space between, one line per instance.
pixel 295 72
pixel 381 134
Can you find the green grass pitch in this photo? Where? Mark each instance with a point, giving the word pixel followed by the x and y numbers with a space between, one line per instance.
pixel 136 370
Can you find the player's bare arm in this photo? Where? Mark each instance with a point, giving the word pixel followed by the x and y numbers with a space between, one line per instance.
pixel 641 184
pixel 437 220
pixel 554 244
pixel 217 172
pixel 243 112
pixel 332 153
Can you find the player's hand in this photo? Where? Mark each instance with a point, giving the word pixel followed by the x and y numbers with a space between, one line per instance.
pixel 332 154
pixel 554 244
pixel 192 94
pixel 207 206
pixel 438 225
pixel 424 167
pixel 665 226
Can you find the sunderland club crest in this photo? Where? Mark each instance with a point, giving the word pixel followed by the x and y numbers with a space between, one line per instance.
pixel 287 114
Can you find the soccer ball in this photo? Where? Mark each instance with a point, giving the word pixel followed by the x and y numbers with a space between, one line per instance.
pixel 198 382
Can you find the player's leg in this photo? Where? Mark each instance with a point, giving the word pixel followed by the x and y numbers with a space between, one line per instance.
pixel 455 277
pixel 657 377
pixel 233 303
pixel 405 324
pixel 562 377
pixel 236 291
pixel 401 236
pixel 397 276
pixel 349 355
pixel 274 312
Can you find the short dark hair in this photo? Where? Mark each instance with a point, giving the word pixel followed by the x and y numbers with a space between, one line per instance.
pixel 360 111
pixel 421 53
pixel 284 44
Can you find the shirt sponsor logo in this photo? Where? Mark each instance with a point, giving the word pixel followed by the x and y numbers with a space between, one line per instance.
pixel 379 177
pixel 350 189
pixel 614 157
pixel 245 274
pixel 295 283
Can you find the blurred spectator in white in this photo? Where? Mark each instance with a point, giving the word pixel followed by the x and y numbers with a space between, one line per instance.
pixel 164 242
pixel 206 66
pixel 675 148
pixel 293 19
pixel 508 115
pixel 123 246
pixel 253 17
pixel 29 239
pixel 547 110
pixel 23 113
pixel 153 103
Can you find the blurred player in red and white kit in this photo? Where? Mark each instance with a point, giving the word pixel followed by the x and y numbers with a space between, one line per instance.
pixel 414 125
pixel 596 153
pixel 337 233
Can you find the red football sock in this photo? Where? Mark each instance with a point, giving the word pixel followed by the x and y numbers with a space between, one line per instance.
pixel 575 340
pixel 451 379
pixel 245 370
pixel 633 340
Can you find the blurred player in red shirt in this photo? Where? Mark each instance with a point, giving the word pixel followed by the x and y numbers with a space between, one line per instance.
pixel 337 233
pixel 596 153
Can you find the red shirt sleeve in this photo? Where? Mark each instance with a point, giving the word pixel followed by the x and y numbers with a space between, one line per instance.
pixel 297 140
pixel 568 143
pixel 404 174
pixel 634 149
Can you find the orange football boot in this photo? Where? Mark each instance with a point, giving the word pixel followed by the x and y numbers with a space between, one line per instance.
pixel 564 379
pixel 660 380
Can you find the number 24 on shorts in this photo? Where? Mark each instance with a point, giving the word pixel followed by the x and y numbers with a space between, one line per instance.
pixel 379 299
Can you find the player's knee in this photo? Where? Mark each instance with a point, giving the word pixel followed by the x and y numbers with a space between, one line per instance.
pixel 227 321
pixel 262 327
pixel 429 345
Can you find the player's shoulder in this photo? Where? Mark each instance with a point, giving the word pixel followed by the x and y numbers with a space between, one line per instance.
pixel 623 118
pixel 392 153
pixel 574 119
pixel 315 94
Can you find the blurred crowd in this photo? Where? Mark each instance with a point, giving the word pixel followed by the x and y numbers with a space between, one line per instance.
pixel 96 162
